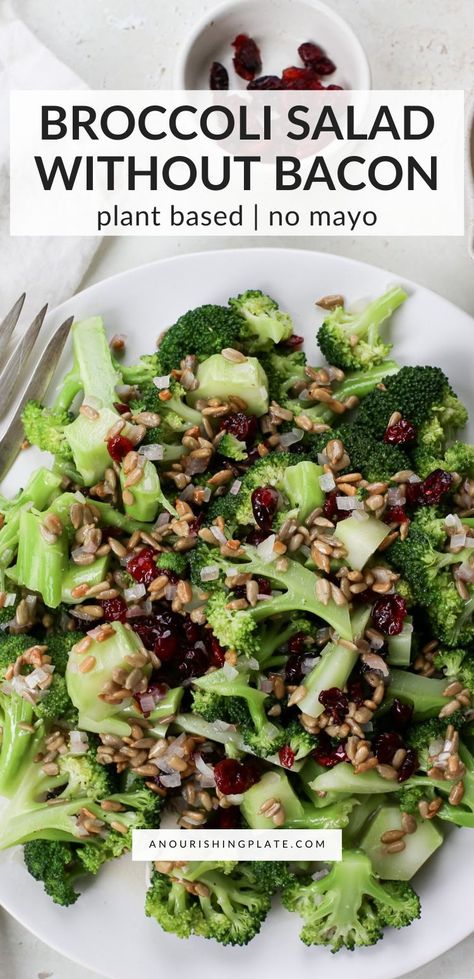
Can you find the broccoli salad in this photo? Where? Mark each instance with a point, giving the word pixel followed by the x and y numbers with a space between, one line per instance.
pixel 242 593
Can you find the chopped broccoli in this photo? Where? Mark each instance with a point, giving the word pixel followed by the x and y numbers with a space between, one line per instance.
pixel 84 689
pixel 377 460
pixel 232 448
pixel 172 561
pixel 56 864
pixel 427 569
pixel 203 331
pixel 458 458
pixel 143 371
pixel 352 340
pixel 296 593
pixel 456 664
pixel 235 701
pixel 45 428
pixel 350 907
pixel 263 322
pixel 220 377
pixel 420 394
pixel 227 907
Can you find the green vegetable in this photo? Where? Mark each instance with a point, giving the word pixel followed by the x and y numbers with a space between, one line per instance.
pixel 352 340
pixel 220 377
pixel 350 907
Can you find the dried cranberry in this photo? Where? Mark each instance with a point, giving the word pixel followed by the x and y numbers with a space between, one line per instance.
pixel 286 756
pixel 408 766
pixel 191 631
pixel 264 505
pixel 334 88
pixel 142 566
pixel 309 53
pixel 298 78
pixel 243 427
pixel 194 663
pixel 160 632
pixel 115 609
pixel 228 818
pixel 401 714
pixel 429 491
pixel 217 652
pixel 323 66
pixel 233 777
pixel 247 60
pixel 355 692
pixel 294 669
pixel 400 433
pixel 294 342
pixel 330 505
pixel 218 77
pixel 118 447
pixel 388 614
pixel 256 537
pixel 265 83
pixel 335 702
pixel 386 745
pixel 327 754
pixel 194 526
pixel 264 586
pixel 121 408
pixel 297 644
pixel 395 514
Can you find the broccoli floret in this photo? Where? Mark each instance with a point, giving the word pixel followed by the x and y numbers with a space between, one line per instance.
pixel 275 634
pixel 56 865
pixel 145 370
pixel 456 664
pixel 422 787
pixel 228 907
pixel 420 394
pixel 59 646
pixel 45 427
pixel 350 907
pixel 296 593
pixel 458 458
pixel 83 439
pixel 203 331
pixel 236 702
pixel 56 703
pixel 172 561
pixel 175 416
pixel 287 381
pixel 427 569
pixel 376 460
pixel 263 322
pixel 80 783
pixel 8 612
pixel 232 448
pixel 352 340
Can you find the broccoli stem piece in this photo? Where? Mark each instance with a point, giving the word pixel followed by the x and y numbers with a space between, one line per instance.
pixel 92 356
pixel 361 538
pixel 147 495
pixel 41 565
pixel 425 694
pixel 221 378
pixel 39 491
pixel 16 741
pixel 334 667
pixel 76 575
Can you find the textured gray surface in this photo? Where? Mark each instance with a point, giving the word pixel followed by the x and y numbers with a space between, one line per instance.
pixel 132 44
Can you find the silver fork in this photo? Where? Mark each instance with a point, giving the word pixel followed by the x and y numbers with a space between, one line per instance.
pixel 20 378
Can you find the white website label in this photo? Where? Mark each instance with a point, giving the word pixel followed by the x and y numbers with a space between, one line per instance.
pixel 236 844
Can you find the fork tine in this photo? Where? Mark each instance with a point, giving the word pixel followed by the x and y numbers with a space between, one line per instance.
pixel 11 319
pixel 17 360
pixel 36 388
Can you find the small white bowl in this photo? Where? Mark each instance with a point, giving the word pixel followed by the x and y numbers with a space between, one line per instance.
pixel 278 27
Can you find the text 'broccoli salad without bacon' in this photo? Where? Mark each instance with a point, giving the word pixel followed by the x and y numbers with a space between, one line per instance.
pixel 243 592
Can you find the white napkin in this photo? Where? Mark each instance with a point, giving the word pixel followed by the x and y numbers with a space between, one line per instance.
pixel 48 269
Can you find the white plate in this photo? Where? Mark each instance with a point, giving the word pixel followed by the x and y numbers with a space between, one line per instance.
pixel 106 930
